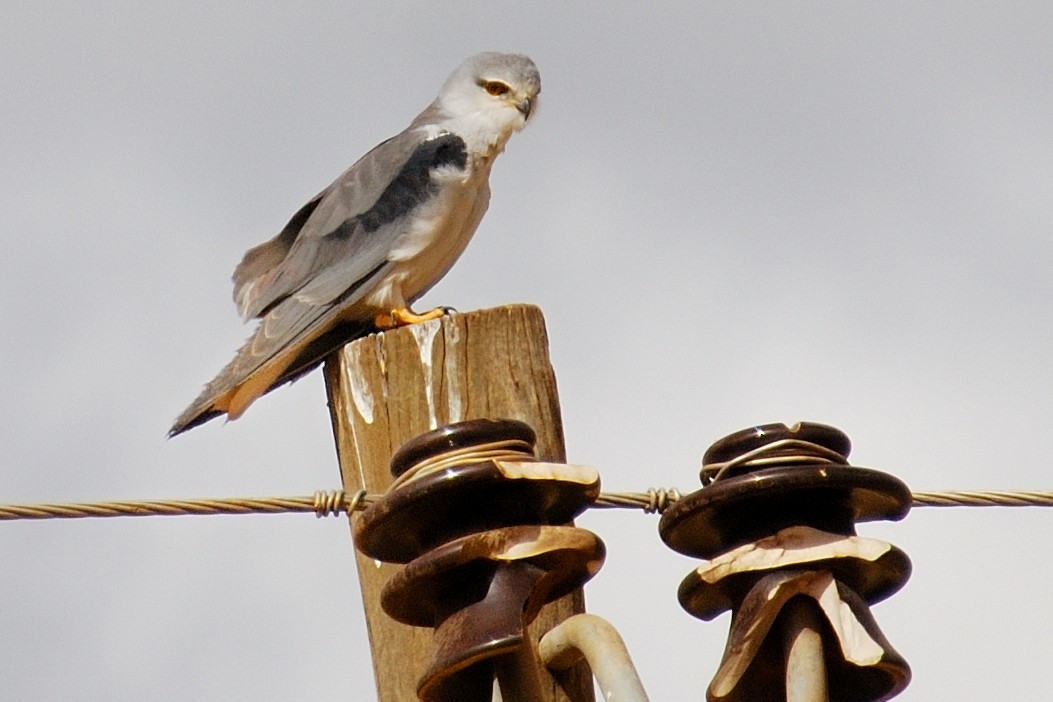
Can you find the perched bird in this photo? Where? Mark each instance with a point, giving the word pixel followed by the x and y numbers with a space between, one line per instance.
pixel 356 256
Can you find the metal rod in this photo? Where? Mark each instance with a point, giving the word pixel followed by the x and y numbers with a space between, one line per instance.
pixel 519 675
pixel 803 650
pixel 602 647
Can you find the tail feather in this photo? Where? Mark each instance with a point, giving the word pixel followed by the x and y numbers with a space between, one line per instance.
pixel 241 382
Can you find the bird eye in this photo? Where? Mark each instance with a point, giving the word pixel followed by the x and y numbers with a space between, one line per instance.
pixel 495 87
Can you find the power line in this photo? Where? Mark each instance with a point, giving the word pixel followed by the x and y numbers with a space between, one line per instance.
pixel 336 502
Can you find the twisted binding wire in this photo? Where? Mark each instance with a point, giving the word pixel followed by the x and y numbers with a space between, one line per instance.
pixel 510 450
pixel 780 452
pixel 336 502
pixel 654 500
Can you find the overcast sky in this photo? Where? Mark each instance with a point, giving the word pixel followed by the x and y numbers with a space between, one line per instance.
pixel 730 214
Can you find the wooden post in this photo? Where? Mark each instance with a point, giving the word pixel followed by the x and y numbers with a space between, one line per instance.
pixel 386 389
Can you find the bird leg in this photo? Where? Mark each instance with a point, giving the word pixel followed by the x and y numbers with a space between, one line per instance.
pixel 401 316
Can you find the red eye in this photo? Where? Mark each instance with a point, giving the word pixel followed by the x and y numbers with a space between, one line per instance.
pixel 495 88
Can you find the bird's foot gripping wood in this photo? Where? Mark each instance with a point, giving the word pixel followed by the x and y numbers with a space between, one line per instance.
pixel 403 316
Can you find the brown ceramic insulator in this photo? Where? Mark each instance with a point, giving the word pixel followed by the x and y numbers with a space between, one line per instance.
pixel 458 574
pixel 802 480
pixel 469 497
pixel 873 581
pixel 480 593
pixel 740 510
pixel 821 437
pixel 458 436
pixel 467 642
pixel 776 517
pixel 754 669
pixel 438 508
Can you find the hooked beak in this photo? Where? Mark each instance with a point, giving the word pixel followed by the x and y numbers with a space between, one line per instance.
pixel 524 106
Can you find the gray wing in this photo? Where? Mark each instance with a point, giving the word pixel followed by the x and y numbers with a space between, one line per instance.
pixel 345 232
pixel 306 282
pixel 260 260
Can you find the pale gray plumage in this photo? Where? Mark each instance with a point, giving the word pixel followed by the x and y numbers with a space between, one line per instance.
pixel 376 239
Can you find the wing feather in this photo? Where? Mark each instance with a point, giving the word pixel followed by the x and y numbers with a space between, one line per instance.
pixel 309 284
pixel 331 240
pixel 259 261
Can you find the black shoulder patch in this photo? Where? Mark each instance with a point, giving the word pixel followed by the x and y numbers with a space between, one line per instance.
pixel 411 186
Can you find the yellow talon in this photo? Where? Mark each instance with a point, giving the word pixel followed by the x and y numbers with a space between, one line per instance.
pixel 401 316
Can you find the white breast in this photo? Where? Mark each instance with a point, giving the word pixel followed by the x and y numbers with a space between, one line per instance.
pixel 436 235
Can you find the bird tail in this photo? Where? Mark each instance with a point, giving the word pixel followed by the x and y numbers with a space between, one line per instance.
pixel 242 381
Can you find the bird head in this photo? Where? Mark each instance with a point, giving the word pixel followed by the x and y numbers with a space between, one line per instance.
pixel 495 91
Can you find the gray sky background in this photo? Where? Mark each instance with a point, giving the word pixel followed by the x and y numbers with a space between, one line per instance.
pixel 731 214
